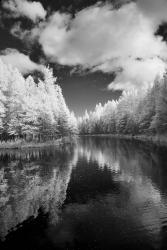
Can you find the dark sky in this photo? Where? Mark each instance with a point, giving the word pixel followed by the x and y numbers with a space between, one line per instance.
pixel 81 90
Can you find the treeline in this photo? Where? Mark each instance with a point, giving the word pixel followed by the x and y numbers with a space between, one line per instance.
pixel 33 111
pixel 135 113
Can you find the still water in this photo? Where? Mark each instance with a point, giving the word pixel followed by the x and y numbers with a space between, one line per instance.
pixel 95 193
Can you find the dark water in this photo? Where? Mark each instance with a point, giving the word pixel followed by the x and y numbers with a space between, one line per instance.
pixel 97 193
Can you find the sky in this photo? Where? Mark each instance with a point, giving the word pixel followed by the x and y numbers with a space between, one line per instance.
pixel 97 49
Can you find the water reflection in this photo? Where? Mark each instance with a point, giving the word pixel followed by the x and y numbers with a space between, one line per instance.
pixel 100 193
pixel 116 196
pixel 30 180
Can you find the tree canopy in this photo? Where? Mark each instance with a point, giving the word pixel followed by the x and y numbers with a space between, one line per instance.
pixel 136 112
pixel 32 110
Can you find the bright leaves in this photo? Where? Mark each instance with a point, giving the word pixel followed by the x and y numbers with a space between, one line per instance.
pixel 32 110
pixel 136 112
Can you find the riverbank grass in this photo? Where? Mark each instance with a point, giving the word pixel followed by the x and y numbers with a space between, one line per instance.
pixel 21 144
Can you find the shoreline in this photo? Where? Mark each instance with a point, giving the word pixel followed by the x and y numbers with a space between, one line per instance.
pixel 160 140
pixel 21 145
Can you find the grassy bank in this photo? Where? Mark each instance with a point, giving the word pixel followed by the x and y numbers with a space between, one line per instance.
pixel 21 144
pixel 159 140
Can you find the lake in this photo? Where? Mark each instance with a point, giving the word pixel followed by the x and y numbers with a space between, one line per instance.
pixel 95 193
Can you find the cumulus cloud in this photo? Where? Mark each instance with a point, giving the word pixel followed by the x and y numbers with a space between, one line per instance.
pixel 98 34
pixel 137 73
pixel 32 10
pixel 22 62
pixel 111 40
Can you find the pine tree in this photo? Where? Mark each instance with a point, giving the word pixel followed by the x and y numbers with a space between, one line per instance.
pixel 32 110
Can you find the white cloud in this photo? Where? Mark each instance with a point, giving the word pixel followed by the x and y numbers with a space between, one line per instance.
pixel 107 39
pixel 98 34
pixel 32 10
pixel 22 62
pixel 103 38
pixel 138 73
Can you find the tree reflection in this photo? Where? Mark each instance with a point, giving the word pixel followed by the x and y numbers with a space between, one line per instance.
pixel 31 180
pixel 100 192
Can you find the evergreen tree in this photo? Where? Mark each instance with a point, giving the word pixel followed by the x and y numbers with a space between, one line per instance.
pixel 32 110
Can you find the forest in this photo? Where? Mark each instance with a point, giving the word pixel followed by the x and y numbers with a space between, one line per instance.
pixel 36 110
pixel 32 110
pixel 137 112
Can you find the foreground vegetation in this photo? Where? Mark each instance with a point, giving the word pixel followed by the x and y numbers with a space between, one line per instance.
pixel 21 143
pixel 137 114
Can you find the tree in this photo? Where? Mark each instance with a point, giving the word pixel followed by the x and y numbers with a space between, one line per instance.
pixel 136 112
pixel 32 110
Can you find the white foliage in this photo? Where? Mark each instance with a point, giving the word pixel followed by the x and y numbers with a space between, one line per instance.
pixel 30 109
